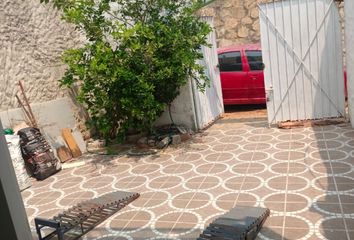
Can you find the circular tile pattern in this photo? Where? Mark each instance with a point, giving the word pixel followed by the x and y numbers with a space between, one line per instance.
pixel 233 166
pixel 49 213
pixel 45 198
pixel 295 227
pixel 208 139
pixel 98 182
pixel 161 158
pixel 75 197
pixel 256 147
pixel 263 131
pixel 145 169
pixel 183 222
pixel 188 157
pixel 260 138
pixel 350 143
pixel 216 133
pixel 245 168
pixel 291 137
pixel 235 132
pixel 333 225
pixel 177 168
pixel 231 139
pixel 286 203
pixel 335 204
pixel 225 147
pixel 190 200
pixel 243 183
pixel 219 157
pixel 130 182
pixel 328 167
pixel 116 169
pixel 289 156
pixel 349 134
pixel 288 183
pixel 202 183
pixel 113 237
pixel 211 168
pixel 198 147
pixel 290 145
pixel 253 156
pixel 329 155
pixel 326 144
pixel 334 184
pixel 226 201
pixel 87 170
pixel 67 182
pixel 151 199
pixel 164 182
pixel 324 135
pixel 288 167
pixel 125 221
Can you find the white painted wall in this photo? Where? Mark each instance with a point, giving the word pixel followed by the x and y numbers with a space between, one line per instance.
pixel 193 108
pixel 209 104
pixel 12 199
pixel 182 110
pixel 349 31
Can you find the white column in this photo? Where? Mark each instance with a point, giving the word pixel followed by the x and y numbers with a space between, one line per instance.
pixel 349 32
pixel 13 218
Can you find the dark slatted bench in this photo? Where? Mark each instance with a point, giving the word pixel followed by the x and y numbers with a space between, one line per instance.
pixel 78 220
pixel 240 223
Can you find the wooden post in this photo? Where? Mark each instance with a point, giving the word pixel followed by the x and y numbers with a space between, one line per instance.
pixel 70 141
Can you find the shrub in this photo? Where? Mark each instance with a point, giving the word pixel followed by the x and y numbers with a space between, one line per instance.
pixel 137 56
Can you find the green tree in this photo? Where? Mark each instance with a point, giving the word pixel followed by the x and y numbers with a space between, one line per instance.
pixel 137 56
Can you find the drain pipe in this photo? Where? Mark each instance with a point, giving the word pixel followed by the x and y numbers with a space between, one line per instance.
pixel 194 105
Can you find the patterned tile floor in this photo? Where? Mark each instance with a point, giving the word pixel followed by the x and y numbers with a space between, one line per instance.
pixel 305 176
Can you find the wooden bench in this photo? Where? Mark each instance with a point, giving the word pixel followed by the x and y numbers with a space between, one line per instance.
pixel 83 217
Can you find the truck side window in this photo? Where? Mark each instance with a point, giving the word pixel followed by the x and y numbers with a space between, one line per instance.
pixel 254 59
pixel 230 62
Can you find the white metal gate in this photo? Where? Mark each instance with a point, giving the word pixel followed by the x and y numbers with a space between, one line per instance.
pixel 302 53
pixel 209 105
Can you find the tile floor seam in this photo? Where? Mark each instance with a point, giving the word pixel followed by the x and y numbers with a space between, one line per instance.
pixel 286 193
pixel 337 192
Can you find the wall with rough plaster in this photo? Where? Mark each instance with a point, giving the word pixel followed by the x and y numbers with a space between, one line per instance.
pixel 32 39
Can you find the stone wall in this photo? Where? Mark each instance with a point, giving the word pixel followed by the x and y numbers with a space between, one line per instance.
pixel 32 39
pixel 237 21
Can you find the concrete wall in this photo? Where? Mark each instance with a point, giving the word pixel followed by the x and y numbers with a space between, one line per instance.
pixel 195 109
pixel 32 39
pixel 52 117
pixel 237 21
pixel 182 110
pixel 349 30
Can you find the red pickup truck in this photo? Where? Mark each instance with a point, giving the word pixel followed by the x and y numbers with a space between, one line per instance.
pixel 241 74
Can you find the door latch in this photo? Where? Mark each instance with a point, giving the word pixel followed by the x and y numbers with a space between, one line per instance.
pixel 269 94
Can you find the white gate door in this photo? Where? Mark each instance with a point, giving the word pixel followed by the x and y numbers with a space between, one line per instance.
pixel 302 53
pixel 209 105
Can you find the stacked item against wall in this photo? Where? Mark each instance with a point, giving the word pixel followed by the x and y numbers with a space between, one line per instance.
pixel 13 143
pixel 38 154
